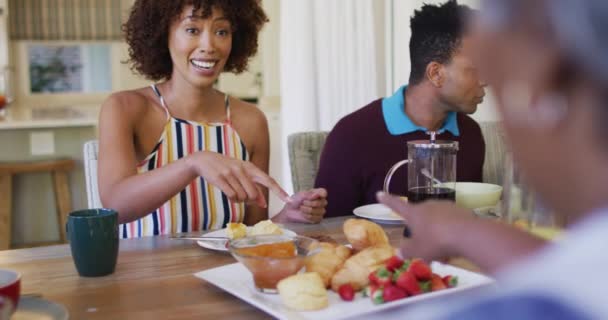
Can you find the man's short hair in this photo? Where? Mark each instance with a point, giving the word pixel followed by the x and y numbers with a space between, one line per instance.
pixel 437 32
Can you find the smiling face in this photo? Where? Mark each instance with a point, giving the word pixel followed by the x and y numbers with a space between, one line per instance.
pixel 200 46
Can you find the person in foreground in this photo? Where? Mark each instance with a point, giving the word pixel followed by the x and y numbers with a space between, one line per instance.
pixel 180 156
pixel 550 74
pixel 443 88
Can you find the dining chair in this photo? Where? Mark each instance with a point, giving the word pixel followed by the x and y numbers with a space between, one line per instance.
pixel 304 153
pixel 305 150
pixel 496 152
pixel 90 171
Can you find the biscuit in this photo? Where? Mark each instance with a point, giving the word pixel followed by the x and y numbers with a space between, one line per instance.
pixel 303 292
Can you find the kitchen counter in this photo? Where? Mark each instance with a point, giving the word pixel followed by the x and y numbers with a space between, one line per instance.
pixel 49 117
pixel 22 117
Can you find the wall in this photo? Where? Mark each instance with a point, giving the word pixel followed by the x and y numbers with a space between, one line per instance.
pixel 269 49
pixel 123 78
pixel 380 20
pixel 403 10
pixel 3 35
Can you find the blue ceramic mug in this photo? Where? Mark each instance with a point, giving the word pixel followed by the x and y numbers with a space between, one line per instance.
pixel 93 236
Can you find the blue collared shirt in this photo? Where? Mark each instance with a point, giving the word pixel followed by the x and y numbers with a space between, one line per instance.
pixel 397 121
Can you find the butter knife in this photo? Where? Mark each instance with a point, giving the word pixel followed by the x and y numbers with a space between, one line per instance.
pixel 201 238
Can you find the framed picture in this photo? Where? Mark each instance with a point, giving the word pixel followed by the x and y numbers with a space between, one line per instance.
pixel 69 68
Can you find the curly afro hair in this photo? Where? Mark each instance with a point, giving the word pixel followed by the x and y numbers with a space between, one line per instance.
pixel 437 32
pixel 147 32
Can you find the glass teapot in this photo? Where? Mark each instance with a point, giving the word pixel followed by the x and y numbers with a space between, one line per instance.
pixel 431 170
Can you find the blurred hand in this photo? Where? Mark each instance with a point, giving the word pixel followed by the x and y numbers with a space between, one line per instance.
pixel 305 207
pixel 239 180
pixel 432 225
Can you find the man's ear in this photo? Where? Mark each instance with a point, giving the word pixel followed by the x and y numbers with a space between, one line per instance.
pixel 435 73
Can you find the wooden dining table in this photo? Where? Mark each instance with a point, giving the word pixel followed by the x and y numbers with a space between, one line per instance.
pixel 153 278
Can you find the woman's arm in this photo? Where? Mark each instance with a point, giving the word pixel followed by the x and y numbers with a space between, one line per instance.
pixel 120 187
pixel 440 229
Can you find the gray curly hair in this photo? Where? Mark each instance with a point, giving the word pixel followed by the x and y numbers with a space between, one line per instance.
pixel 580 27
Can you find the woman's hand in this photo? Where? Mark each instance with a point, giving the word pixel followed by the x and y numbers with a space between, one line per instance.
pixel 440 230
pixel 305 207
pixel 432 225
pixel 239 180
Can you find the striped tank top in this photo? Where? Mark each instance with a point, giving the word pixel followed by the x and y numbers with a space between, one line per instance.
pixel 200 206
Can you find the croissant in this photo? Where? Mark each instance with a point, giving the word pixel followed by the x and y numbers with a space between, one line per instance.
pixel 357 268
pixel 363 233
pixel 327 261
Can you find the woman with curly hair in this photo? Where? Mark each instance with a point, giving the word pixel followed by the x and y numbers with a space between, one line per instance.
pixel 180 156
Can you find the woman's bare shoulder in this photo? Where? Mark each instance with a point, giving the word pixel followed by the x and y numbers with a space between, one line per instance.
pixel 250 123
pixel 132 108
pixel 128 102
pixel 248 113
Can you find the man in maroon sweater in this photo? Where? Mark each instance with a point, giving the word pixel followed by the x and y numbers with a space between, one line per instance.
pixel 443 88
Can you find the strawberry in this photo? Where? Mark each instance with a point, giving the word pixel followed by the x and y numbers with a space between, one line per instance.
pixel 397 274
pixel 450 281
pixel 369 290
pixel 437 283
pixel 393 263
pixel 381 277
pixel 408 282
pixel 425 286
pixel 346 292
pixel 420 269
pixel 400 270
pixel 373 279
pixel 378 296
pixel 392 293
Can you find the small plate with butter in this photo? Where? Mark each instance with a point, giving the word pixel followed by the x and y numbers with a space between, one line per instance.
pixel 239 230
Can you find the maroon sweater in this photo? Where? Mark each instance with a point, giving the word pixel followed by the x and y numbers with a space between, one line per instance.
pixel 359 151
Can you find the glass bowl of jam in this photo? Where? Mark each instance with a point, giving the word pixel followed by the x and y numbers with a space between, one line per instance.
pixel 271 258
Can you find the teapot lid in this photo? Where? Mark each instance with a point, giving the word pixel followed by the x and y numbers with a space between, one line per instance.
pixel 438 144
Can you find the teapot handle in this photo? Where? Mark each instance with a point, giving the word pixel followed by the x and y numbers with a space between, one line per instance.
pixel 389 175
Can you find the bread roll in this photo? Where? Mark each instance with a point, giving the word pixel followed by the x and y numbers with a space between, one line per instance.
pixel 236 230
pixel 265 227
pixel 329 259
pixel 357 268
pixel 303 292
pixel 362 233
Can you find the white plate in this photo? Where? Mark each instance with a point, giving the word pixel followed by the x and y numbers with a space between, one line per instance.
pixel 237 280
pixel 221 245
pixel 378 213
pixel 39 309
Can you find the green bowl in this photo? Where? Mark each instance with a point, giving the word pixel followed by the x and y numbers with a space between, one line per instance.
pixel 473 195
